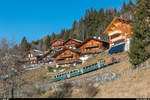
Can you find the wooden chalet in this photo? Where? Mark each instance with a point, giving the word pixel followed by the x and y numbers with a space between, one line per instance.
pixel 33 57
pixel 72 43
pixel 67 56
pixel 92 46
pixel 47 57
pixel 118 31
pixel 57 44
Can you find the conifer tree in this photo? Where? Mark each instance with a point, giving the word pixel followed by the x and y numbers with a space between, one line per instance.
pixel 41 45
pixel 24 45
pixel 130 4
pixel 138 53
pixel 47 41
pixel 124 6
pixel 53 36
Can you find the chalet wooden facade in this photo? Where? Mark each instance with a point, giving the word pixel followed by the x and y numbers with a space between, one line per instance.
pixel 119 31
pixel 92 46
pixel 47 57
pixel 57 44
pixel 33 57
pixel 67 57
pixel 72 43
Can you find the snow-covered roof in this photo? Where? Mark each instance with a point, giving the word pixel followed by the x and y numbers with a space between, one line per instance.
pixel 37 52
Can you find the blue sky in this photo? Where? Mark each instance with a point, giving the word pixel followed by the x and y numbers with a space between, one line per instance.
pixel 37 18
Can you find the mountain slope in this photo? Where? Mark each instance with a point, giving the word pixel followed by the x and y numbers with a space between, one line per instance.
pixel 134 84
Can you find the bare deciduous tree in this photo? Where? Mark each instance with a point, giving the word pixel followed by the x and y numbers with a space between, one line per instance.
pixel 9 70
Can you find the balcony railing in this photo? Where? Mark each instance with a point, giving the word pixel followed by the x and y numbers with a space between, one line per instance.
pixel 114 36
pixel 114 32
pixel 89 52
pixel 67 56
pixel 56 45
pixel 91 46
pixel 118 38
pixel 59 59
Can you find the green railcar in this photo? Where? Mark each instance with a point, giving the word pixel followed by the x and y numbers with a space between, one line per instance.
pixel 60 77
pixel 75 72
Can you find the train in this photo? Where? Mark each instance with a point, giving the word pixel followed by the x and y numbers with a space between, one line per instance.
pixel 84 70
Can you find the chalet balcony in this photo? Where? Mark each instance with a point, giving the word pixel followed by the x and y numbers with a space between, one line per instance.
pixel 89 52
pixel 114 32
pixel 120 41
pixel 114 36
pixel 59 59
pixel 67 56
pixel 91 46
pixel 118 38
pixel 57 45
pixel 67 61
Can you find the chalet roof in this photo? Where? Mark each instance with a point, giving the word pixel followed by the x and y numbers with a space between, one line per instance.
pixel 115 19
pixel 57 40
pixel 47 53
pixel 73 50
pixel 73 40
pixel 36 52
pixel 91 39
